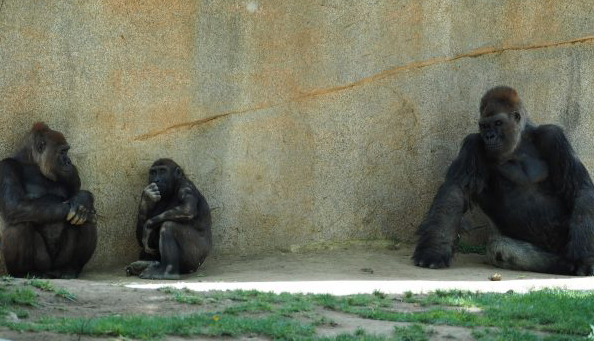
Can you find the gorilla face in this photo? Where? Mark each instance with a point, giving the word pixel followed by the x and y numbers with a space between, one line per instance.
pixel 163 177
pixel 63 163
pixel 50 152
pixel 165 173
pixel 501 132
pixel 503 119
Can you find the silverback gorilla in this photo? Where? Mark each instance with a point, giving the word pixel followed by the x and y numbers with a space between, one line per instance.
pixel 173 226
pixel 49 222
pixel 528 181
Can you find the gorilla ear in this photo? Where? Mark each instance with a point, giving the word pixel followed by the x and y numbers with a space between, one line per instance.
pixel 178 173
pixel 517 116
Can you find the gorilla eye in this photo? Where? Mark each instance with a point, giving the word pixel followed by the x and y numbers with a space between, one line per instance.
pixel 517 115
pixel 498 123
pixel 40 146
pixel 482 126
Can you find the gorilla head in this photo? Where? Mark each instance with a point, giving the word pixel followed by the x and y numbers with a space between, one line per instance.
pixel 49 151
pixel 503 119
pixel 165 173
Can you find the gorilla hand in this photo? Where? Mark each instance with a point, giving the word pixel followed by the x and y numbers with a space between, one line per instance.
pixel 433 254
pixel 149 224
pixel 81 208
pixel 151 192
pixel 150 196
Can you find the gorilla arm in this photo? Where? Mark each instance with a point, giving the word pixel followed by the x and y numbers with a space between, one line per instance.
pixel 437 233
pixel 571 181
pixel 16 208
pixel 185 212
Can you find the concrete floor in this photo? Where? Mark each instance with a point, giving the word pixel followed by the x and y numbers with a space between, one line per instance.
pixel 348 271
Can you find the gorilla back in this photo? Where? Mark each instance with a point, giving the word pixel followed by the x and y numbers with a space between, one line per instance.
pixel 49 223
pixel 528 181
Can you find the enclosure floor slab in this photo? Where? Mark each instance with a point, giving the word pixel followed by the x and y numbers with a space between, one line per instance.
pixel 347 271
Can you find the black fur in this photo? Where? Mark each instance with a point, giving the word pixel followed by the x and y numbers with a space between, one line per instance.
pixel 174 227
pixel 49 222
pixel 536 192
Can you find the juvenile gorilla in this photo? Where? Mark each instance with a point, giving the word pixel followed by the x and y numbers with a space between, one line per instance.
pixel 174 225
pixel 49 223
pixel 528 181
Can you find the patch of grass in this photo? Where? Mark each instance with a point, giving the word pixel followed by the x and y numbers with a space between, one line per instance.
pixel 504 335
pixel 66 295
pixel 49 287
pixel 379 294
pixel 368 300
pixel 42 285
pixel 250 301
pixel 557 337
pixel 320 320
pixel 13 299
pixel 347 303
pixel 539 310
pixel 183 295
pixel 412 333
pixel 249 307
pixel 550 310
pixel 359 335
pixel 327 301
pixel 565 314
pixel 18 296
pixel 435 316
pixel 151 327
pixel 440 297
pixel 7 278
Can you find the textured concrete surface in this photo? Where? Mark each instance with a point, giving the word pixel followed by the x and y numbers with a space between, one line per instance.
pixel 300 121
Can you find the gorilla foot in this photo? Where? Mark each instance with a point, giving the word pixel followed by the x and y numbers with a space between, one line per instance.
pixel 585 269
pixel 61 274
pixel 432 264
pixel 431 259
pixel 136 268
pixel 159 272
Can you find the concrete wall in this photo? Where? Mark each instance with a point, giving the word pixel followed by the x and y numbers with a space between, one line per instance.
pixel 300 121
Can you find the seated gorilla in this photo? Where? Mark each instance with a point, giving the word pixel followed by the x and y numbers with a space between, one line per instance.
pixel 528 181
pixel 49 223
pixel 173 226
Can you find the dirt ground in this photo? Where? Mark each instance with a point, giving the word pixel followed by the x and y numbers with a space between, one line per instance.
pixel 343 271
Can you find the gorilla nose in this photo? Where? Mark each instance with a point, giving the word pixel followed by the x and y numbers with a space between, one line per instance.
pixel 489 136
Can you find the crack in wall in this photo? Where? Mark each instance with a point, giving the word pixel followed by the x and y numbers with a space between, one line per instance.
pixel 367 80
pixel 192 124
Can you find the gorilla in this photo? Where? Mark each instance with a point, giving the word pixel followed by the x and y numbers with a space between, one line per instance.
pixel 49 222
pixel 174 225
pixel 528 181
